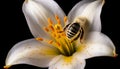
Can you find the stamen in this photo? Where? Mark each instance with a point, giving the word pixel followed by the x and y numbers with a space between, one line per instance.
pixel 57 27
pixel 50 21
pixel 59 39
pixel 58 44
pixel 58 36
pixel 57 19
pixel 46 29
pixel 65 19
pixel 63 34
pixel 54 34
pixel 39 39
pixel 51 27
pixel 50 42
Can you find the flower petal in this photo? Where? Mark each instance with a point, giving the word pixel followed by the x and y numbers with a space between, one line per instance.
pixel 37 13
pixel 31 52
pixel 68 63
pixel 97 44
pixel 90 9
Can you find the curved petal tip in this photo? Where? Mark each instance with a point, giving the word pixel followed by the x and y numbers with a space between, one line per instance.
pixel 7 67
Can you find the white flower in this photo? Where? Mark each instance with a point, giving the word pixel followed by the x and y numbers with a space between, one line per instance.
pixel 51 47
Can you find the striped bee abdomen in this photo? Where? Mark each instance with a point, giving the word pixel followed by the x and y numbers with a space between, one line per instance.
pixel 73 30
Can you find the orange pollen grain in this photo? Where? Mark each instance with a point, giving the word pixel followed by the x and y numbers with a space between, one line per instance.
pixel 58 43
pixel 50 21
pixel 50 42
pixel 46 29
pixel 57 19
pixel 54 34
pixel 63 34
pixel 57 27
pixel 51 27
pixel 65 19
pixel 58 36
pixel 39 39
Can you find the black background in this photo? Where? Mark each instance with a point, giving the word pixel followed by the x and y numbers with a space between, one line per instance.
pixel 14 28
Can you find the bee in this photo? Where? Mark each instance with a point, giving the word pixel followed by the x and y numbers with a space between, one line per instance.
pixel 75 29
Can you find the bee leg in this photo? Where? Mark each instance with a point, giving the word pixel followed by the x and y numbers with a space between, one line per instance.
pixel 81 40
pixel 81 35
pixel 78 35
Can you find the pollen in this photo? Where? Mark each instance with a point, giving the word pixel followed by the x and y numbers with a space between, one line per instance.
pixel 50 41
pixel 46 29
pixel 68 59
pixel 65 19
pixel 57 19
pixel 58 36
pixel 39 39
pixel 54 34
pixel 50 21
pixel 51 27
pixel 58 44
pixel 57 27
pixel 63 34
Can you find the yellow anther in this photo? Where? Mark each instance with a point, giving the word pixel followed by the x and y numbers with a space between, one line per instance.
pixel 59 22
pixel 39 39
pixel 50 41
pixel 57 19
pixel 46 29
pixel 54 34
pixel 65 19
pixel 58 44
pixel 57 27
pixel 63 34
pixel 50 21
pixel 58 36
pixel 51 27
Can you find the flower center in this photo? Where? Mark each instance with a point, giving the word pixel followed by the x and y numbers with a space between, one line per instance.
pixel 58 37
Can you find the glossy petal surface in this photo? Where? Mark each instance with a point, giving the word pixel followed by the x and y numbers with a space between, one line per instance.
pixel 37 13
pixel 31 52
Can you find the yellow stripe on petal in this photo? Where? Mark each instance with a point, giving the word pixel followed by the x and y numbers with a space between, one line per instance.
pixel 68 59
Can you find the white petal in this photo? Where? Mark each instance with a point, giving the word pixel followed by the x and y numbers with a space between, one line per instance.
pixel 31 52
pixel 97 44
pixel 68 63
pixel 90 9
pixel 37 13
